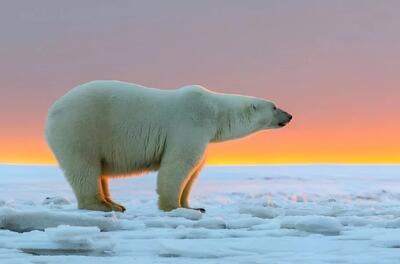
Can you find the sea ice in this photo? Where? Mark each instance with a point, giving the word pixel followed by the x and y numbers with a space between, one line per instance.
pixel 77 237
pixel 314 224
pixel 57 200
pixel 259 211
pixel 39 219
pixel 255 214
pixel 243 223
pixel 185 213
pixel 214 223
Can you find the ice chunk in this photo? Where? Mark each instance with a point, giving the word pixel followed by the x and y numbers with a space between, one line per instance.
pixel 215 223
pixel 320 224
pixel 270 225
pixel 353 221
pixel 193 233
pixel 243 223
pixel 56 200
pixel 168 223
pixel 83 238
pixel 261 212
pixel 393 223
pixel 388 239
pixel 314 224
pixel 185 213
pixel 39 219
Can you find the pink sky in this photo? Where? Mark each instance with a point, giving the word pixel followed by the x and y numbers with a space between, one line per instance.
pixel 333 64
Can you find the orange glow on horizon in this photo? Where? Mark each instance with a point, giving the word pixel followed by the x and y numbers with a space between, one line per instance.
pixel 285 146
pixel 217 157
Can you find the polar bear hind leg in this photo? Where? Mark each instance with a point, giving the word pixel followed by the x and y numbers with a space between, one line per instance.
pixel 107 196
pixel 84 178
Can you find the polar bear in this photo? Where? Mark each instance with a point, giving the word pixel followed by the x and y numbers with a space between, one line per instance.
pixel 104 129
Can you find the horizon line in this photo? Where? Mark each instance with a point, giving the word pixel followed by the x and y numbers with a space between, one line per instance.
pixel 241 164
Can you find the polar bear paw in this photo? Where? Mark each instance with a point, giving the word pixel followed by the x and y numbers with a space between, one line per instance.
pixel 201 210
pixel 102 206
pixel 116 207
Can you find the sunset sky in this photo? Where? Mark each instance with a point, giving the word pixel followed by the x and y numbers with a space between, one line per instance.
pixel 334 65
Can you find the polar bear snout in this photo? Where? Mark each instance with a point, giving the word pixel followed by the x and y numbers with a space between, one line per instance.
pixel 286 119
pixel 282 118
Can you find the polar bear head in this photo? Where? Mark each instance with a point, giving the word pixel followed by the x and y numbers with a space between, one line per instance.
pixel 239 116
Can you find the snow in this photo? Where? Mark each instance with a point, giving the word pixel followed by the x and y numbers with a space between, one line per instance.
pixel 255 214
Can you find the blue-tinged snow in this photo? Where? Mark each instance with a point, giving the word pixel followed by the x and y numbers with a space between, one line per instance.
pixel 255 214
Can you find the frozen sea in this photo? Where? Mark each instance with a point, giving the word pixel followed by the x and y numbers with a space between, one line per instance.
pixel 255 214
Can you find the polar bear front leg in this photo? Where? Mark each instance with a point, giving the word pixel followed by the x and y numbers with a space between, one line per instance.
pixel 171 180
pixel 176 168
pixel 188 187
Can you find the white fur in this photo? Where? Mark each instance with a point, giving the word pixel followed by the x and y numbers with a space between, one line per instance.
pixel 102 129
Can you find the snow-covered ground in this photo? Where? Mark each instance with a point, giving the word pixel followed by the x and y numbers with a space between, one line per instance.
pixel 269 214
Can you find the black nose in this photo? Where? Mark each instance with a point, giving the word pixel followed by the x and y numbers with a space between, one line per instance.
pixel 290 117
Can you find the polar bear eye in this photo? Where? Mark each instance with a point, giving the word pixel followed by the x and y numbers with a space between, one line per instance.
pixel 253 107
pixel 274 107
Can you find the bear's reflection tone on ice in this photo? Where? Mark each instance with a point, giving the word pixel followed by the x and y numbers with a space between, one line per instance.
pixel 105 129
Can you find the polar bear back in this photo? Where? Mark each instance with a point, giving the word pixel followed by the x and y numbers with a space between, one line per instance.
pixel 122 126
